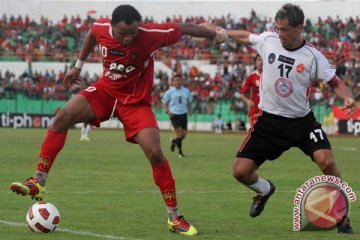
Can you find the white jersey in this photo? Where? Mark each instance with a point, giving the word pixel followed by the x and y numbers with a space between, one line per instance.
pixel 287 75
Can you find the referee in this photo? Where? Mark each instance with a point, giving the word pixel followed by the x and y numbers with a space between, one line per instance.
pixel 177 102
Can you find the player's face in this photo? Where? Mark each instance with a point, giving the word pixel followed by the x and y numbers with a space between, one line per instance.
pixel 290 36
pixel 259 63
pixel 125 33
pixel 177 82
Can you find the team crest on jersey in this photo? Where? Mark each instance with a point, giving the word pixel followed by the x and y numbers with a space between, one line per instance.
pixel 283 87
pixel 271 58
pixel 300 68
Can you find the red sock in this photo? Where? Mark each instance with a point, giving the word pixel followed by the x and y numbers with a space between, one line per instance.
pixel 164 180
pixel 52 145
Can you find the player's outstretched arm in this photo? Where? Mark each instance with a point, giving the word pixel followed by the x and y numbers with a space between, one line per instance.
pixel 343 92
pixel 219 35
pixel 240 36
pixel 87 47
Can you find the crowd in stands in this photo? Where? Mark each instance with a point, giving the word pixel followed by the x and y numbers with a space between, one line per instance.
pixel 24 39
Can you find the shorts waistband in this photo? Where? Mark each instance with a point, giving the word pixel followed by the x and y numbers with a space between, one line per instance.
pixel 274 116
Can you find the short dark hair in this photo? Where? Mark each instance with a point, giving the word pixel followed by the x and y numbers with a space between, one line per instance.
pixel 292 12
pixel 126 13
pixel 177 75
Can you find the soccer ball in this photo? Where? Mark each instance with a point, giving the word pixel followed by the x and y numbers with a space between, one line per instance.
pixel 43 217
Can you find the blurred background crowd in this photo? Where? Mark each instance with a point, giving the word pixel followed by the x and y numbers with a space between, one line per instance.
pixel 24 39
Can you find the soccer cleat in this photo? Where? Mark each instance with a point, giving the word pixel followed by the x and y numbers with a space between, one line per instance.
pixel 181 155
pixel 29 187
pixel 344 226
pixel 86 139
pixel 172 144
pixel 259 201
pixel 180 225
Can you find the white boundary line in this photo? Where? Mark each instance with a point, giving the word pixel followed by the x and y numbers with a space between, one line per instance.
pixel 344 148
pixel 70 231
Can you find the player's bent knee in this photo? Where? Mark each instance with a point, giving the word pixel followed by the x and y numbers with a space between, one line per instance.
pixel 155 155
pixel 62 121
pixel 243 170
pixel 240 174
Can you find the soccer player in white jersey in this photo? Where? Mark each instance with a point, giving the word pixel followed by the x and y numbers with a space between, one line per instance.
pixel 285 120
pixel 177 102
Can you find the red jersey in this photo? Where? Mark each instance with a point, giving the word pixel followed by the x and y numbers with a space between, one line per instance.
pixel 128 70
pixel 253 82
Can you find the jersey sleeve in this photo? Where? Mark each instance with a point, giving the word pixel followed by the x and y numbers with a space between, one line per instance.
pixel 258 41
pixel 245 87
pixel 97 26
pixel 190 96
pixel 166 98
pixel 174 35
pixel 323 70
pixel 164 34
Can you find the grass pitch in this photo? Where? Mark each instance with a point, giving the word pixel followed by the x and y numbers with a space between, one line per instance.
pixel 104 188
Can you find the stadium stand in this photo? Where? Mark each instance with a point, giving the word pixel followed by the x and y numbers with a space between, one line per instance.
pixel 23 39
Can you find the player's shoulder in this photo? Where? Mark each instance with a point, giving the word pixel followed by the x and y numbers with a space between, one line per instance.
pixel 314 49
pixel 253 74
pixel 185 89
pixel 170 90
pixel 102 22
pixel 100 27
pixel 157 27
pixel 317 53
pixel 267 34
pixel 254 37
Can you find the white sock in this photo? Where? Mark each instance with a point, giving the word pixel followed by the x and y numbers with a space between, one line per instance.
pixel 41 177
pixel 261 186
pixel 87 130
pixel 82 132
pixel 173 213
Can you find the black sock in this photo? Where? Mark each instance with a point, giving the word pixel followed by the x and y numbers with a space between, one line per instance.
pixel 179 145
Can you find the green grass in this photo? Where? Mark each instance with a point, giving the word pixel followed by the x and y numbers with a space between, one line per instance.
pixel 105 187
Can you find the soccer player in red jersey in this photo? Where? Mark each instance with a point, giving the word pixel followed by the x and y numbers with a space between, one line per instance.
pixel 123 91
pixel 252 82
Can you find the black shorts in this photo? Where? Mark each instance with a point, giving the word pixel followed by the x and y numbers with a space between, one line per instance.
pixel 272 135
pixel 179 121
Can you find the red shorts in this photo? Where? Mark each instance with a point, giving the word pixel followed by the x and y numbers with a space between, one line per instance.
pixel 134 117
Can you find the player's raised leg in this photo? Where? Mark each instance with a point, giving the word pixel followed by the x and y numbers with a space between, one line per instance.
pixel 77 110
pixel 244 170
pixel 149 140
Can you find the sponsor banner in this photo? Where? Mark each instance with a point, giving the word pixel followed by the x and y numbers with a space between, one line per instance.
pixel 349 127
pixel 340 113
pixel 25 120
